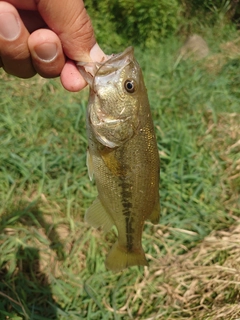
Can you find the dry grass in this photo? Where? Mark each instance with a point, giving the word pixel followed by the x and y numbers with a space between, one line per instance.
pixel 203 283
pixel 227 51
pixel 222 139
pixel 195 48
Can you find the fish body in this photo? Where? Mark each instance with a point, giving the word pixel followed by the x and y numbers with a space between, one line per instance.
pixel 122 157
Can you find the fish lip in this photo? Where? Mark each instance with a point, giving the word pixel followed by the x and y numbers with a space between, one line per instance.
pixel 90 70
pixel 87 75
pixel 116 62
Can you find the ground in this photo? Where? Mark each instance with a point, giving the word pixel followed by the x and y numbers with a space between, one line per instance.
pixel 52 263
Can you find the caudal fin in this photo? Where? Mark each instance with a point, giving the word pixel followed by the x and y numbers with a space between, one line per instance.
pixel 119 259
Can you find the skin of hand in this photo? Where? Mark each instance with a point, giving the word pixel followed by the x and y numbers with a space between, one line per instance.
pixel 46 37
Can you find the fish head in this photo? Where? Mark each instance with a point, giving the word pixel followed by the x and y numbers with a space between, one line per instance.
pixel 115 90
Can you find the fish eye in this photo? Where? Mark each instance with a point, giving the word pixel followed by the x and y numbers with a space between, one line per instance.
pixel 130 85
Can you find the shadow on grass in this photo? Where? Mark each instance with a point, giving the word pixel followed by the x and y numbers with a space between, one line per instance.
pixel 27 292
pixel 29 215
pixel 24 289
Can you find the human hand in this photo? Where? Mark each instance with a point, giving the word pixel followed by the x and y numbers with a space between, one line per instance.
pixel 46 37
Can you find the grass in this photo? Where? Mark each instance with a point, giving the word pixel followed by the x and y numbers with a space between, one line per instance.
pixel 52 264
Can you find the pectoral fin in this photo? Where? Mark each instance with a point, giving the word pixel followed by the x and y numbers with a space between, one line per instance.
pixel 97 216
pixel 111 162
pixel 155 215
pixel 89 165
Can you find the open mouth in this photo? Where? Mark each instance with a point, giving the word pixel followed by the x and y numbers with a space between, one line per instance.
pixel 89 70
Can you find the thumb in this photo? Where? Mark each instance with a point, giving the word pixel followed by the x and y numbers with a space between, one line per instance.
pixel 70 21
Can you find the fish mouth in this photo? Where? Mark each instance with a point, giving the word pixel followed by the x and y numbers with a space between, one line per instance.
pixel 90 70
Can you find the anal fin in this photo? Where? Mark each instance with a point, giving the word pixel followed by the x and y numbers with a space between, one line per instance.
pixel 97 216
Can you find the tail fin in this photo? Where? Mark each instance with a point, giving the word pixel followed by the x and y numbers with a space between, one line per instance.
pixel 119 258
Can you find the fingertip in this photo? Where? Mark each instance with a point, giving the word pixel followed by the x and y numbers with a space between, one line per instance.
pixel 71 23
pixel 71 78
pixel 14 52
pixel 47 54
pixel 97 54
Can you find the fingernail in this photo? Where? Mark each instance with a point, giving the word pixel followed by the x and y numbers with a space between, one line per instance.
pixel 46 51
pixel 97 54
pixel 9 26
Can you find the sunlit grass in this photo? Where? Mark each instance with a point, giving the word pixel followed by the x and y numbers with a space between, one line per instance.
pixel 51 262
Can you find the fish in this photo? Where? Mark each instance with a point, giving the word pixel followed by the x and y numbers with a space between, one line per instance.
pixel 122 156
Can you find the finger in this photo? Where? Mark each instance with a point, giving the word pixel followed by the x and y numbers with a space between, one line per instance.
pixel 71 23
pixel 24 4
pixel 27 10
pixel 14 52
pixel 71 78
pixel 47 54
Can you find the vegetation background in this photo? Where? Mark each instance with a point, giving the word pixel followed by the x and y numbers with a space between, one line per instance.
pixel 51 262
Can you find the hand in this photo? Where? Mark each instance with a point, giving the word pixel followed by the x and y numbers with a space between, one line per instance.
pixel 46 37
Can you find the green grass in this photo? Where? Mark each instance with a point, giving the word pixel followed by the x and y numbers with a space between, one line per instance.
pixel 51 262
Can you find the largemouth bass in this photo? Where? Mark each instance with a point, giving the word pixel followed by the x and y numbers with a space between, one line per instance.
pixel 122 156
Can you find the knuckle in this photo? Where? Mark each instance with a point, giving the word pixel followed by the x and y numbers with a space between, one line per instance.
pixel 15 51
